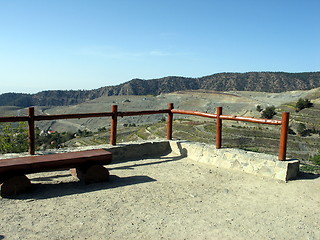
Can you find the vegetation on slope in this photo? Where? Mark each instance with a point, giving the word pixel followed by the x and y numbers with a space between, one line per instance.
pixel 251 81
pixel 303 139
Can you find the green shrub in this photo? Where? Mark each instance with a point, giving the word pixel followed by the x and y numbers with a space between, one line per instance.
pixel 290 131
pixel 302 129
pixel 303 103
pixel 315 159
pixel 13 137
pixel 269 112
pixel 84 133
pixel 259 108
pixel 102 129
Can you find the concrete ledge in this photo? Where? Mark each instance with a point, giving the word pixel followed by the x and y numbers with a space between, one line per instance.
pixel 250 162
pixel 139 150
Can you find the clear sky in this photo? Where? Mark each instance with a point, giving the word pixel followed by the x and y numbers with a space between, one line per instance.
pixel 87 44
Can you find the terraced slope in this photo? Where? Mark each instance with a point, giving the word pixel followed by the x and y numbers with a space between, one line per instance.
pixel 240 135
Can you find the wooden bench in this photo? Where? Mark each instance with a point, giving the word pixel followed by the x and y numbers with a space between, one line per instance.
pixel 87 166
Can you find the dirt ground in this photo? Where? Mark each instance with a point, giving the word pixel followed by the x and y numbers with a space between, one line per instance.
pixel 166 198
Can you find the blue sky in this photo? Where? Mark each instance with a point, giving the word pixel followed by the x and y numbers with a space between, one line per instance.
pixel 77 44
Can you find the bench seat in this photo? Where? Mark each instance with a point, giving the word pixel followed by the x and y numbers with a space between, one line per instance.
pixel 86 165
pixel 43 163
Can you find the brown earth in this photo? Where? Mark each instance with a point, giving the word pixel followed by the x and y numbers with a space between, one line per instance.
pixel 166 198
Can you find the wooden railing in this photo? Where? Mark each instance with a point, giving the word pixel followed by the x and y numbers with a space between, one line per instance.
pixel 114 114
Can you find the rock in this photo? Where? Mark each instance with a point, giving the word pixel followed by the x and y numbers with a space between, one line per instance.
pixel 92 174
pixel 15 185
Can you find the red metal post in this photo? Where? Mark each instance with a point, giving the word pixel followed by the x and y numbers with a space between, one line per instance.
pixel 218 128
pixel 114 120
pixel 283 136
pixel 31 137
pixel 169 122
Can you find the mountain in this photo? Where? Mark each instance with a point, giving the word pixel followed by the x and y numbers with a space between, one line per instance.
pixel 250 81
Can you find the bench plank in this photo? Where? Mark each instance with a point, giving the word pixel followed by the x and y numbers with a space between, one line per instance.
pixel 40 163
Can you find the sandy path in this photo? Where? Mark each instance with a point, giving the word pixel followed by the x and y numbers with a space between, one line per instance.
pixel 167 198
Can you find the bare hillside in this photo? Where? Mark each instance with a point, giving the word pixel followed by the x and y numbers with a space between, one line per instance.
pixel 250 81
pixel 252 137
pixel 236 102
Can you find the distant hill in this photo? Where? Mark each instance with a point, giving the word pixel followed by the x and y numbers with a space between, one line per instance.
pixel 251 81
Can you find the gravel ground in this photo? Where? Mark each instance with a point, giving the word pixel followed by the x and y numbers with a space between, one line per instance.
pixel 164 198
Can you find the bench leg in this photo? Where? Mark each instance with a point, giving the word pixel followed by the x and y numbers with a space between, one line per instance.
pixel 15 185
pixel 91 174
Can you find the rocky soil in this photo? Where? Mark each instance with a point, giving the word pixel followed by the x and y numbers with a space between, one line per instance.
pixel 164 198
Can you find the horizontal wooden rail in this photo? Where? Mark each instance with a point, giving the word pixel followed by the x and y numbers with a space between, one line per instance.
pixel 71 116
pixel 196 113
pixel 250 119
pixel 228 117
pixel 14 119
pixel 83 115
pixel 137 113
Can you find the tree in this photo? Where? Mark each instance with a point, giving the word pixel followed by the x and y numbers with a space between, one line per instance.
pixel 269 112
pixel 303 103
pixel 13 138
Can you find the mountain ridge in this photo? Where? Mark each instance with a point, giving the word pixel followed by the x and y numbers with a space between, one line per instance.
pixel 249 81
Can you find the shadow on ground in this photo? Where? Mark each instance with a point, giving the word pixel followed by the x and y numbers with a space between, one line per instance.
pixel 47 190
pixel 163 160
pixel 307 176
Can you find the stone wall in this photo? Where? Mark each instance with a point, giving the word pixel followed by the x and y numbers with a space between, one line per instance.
pixel 260 164
pixel 139 150
pixel 250 162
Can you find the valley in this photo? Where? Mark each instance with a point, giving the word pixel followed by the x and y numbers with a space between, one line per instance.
pixel 253 137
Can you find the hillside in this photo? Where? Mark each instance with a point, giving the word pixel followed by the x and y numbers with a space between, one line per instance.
pixel 261 138
pixel 252 81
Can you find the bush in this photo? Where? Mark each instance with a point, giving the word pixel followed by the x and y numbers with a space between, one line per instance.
pixel 102 129
pixel 315 159
pixel 13 139
pixel 259 108
pixel 303 103
pixel 84 133
pixel 269 112
pixel 290 131
pixel 302 130
pixel 52 140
